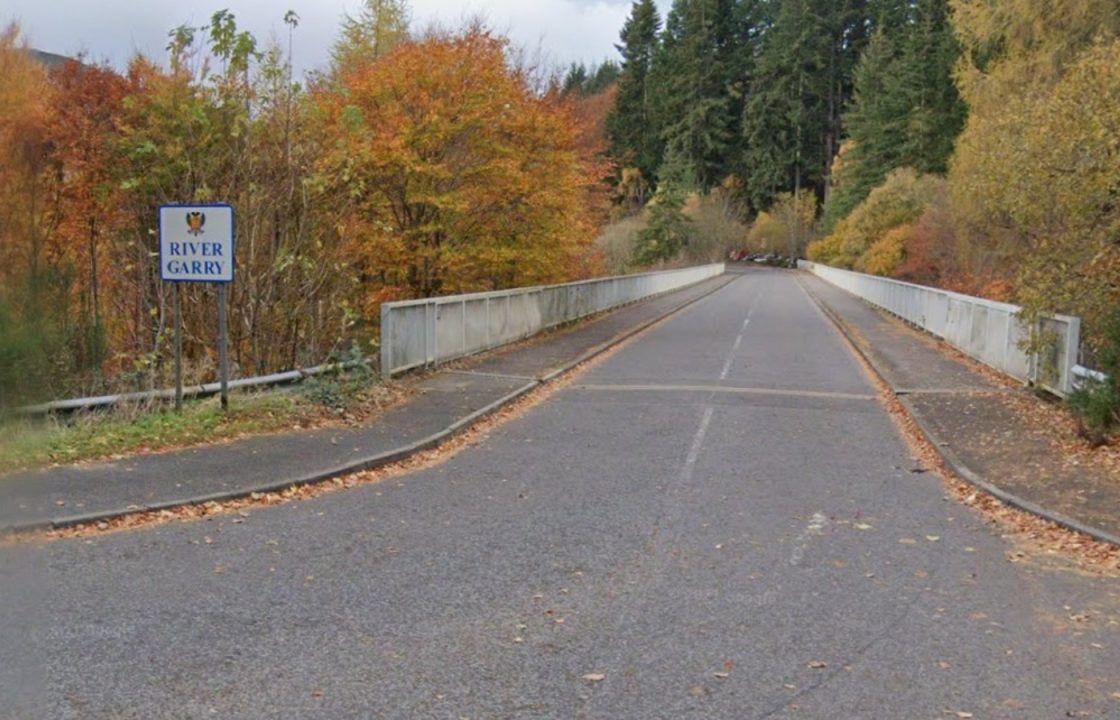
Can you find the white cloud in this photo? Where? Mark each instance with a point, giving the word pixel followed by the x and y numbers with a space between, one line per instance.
pixel 563 30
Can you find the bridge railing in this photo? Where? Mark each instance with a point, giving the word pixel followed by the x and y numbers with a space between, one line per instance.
pixel 988 331
pixel 416 333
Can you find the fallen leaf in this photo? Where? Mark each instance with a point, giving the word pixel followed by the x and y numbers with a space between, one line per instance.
pixel 816 664
pixel 722 675
pixel 697 691
pixel 594 677
pixel 862 526
pixel 908 541
pixel 933 538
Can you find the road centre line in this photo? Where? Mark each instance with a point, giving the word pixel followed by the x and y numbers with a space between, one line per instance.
pixel 816 525
pixel 730 357
pixel 727 390
pixel 739 340
pixel 697 443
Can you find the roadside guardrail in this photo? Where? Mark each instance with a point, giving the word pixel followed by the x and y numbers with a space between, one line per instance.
pixel 418 333
pixel 985 330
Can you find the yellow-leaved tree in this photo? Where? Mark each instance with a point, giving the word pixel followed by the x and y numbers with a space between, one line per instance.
pixel 1035 178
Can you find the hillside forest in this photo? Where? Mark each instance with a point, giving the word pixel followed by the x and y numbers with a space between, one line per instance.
pixel 969 144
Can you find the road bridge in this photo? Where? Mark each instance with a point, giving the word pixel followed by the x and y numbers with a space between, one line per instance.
pixel 718 520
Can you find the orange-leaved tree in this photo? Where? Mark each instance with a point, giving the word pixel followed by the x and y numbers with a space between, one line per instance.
pixel 452 173
pixel 85 113
pixel 31 334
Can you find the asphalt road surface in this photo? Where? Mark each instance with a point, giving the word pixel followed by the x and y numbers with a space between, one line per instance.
pixel 717 521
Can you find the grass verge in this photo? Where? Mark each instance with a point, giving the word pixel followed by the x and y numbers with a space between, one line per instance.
pixel 145 428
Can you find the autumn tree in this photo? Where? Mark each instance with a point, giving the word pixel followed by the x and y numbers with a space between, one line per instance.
pixel 30 333
pixel 1040 208
pixel 452 174
pixel 85 112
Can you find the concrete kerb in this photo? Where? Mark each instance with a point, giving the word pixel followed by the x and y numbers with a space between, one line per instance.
pixel 370 463
pixel 950 458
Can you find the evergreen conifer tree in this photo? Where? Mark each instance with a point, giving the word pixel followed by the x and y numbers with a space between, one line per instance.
pixel 631 125
pixel 906 110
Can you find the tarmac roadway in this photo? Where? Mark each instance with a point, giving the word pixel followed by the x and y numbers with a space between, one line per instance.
pixel 719 520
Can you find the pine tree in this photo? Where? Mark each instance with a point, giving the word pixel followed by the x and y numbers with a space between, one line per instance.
pixel 631 125
pixel 574 80
pixel 600 77
pixel 800 85
pixel 906 110
pixel 694 89
pixel 937 112
pixel 876 126
pixel 783 119
pixel 380 26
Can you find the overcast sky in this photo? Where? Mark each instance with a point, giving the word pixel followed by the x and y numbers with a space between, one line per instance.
pixel 113 30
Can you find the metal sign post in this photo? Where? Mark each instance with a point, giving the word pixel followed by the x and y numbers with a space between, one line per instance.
pixel 178 348
pixel 223 352
pixel 196 245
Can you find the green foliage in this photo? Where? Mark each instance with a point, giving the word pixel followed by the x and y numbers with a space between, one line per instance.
pixel 800 83
pixel 632 126
pixel 342 386
pixel 1096 404
pixel 906 111
pixel 580 80
pixel 694 92
pixel 668 230
pixel 380 26
pixel 27 444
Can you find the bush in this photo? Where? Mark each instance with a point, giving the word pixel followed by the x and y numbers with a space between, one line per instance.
pixel 928 248
pixel 1096 405
pixel 900 200
pixel 717 223
pixel 339 388
pixel 617 241
pixel 885 255
pixel 786 227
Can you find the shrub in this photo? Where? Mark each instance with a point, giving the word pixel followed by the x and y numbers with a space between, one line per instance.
pixel 928 249
pixel 617 241
pixel 900 200
pixel 717 223
pixel 1096 405
pixel 787 227
pixel 885 254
